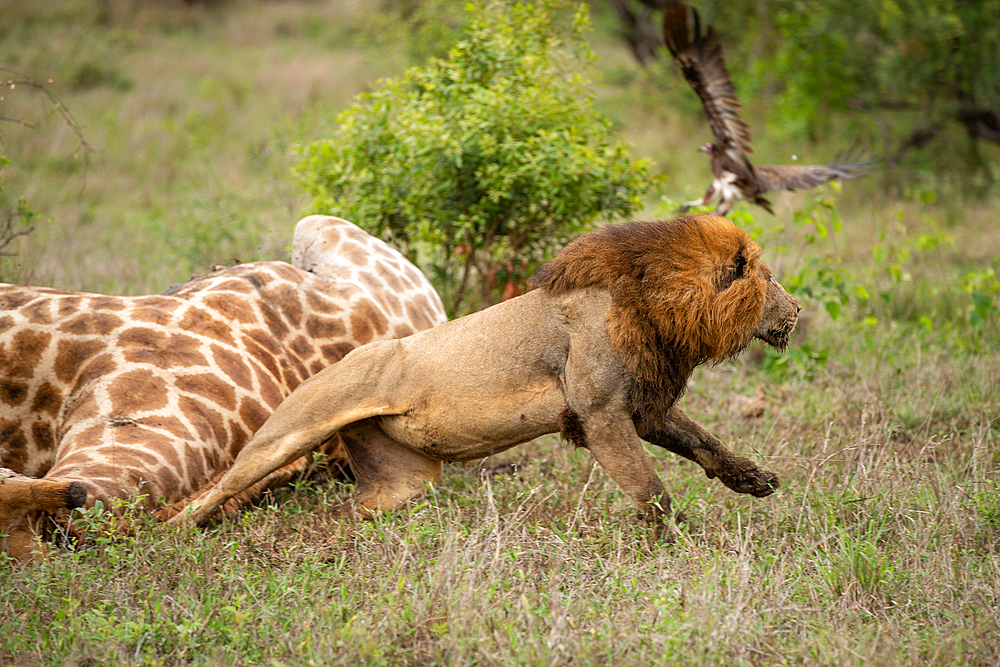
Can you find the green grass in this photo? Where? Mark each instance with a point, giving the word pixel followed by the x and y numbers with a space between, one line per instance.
pixel 882 548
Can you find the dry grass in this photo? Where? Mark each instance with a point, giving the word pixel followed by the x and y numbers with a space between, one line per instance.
pixel 882 548
pixel 191 114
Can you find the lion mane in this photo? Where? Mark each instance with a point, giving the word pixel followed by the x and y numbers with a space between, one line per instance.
pixel 683 292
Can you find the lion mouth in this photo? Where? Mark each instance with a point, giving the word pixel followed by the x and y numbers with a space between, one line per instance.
pixel 776 338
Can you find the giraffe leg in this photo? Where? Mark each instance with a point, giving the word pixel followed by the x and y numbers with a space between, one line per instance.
pixel 388 473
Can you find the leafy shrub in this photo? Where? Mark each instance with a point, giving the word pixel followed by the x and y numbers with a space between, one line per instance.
pixel 480 165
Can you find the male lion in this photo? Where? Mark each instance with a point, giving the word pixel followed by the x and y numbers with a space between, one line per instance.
pixel 599 352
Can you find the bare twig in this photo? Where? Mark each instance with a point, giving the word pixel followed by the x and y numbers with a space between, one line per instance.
pixel 8 235
pixel 12 80
pixel 16 79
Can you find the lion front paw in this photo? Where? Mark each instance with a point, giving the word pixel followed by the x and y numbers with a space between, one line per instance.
pixel 745 477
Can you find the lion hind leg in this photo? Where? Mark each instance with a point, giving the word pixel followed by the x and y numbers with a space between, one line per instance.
pixel 275 445
pixel 387 473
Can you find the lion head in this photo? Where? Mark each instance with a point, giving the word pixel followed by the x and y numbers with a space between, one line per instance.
pixel 683 292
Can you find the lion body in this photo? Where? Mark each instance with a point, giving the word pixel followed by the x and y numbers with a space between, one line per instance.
pixel 582 355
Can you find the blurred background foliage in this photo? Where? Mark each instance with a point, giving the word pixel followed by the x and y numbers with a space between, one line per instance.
pixel 197 112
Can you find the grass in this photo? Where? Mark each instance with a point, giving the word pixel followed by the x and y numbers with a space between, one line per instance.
pixel 882 548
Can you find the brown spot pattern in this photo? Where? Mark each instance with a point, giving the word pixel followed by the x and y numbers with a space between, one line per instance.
pixel 172 462
pixel 133 448
pixel 319 304
pixel 354 253
pixel 254 345
pixel 39 313
pixel 91 324
pixel 253 414
pixel 389 274
pixel 152 315
pixel 69 305
pixel 138 391
pixel 240 435
pixel 371 283
pixel 412 276
pixel 22 356
pixel 272 321
pixel 319 328
pixel 287 272
pixel 96 368
pixel 367 321
pixel 202 323
pixel 158 310
pixel 394 305
pixel 231 309
pixel 366 314
pixel 43 433
pixel 210 386
pixel 417 312
pixel 15 453
pixel 270 392
pixel 80 407
pixel 48 399
pixel 141 345
pixel 356 234
pixel 71 354
pixel 96 471
pixel 233 366
pixel 13 393
pixel 107 303
pixel 286 299
pixel 210 424
pixel 302 347
pixel 13 300
pixel 235 285
pixel 168 423
pixel 87 440
pixel 336 352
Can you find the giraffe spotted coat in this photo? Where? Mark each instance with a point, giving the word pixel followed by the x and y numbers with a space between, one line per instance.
pixel 107 397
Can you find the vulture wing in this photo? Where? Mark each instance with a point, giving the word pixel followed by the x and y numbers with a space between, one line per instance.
pixel 796 177
pixel 699 58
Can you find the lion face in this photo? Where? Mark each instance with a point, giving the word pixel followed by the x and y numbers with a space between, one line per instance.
pixel 683 292
pixel 781 312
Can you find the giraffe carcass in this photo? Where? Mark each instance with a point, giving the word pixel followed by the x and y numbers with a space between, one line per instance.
pixel 109 397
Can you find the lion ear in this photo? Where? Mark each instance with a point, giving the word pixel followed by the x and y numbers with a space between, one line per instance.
pixel 734 271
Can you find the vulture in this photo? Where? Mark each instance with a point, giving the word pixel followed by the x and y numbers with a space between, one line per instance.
pixel 699 57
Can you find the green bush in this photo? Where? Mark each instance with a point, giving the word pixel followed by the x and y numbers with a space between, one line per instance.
pixel 480 165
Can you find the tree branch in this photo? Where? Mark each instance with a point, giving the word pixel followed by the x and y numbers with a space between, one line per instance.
pixel 19 79
pixel 981 123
